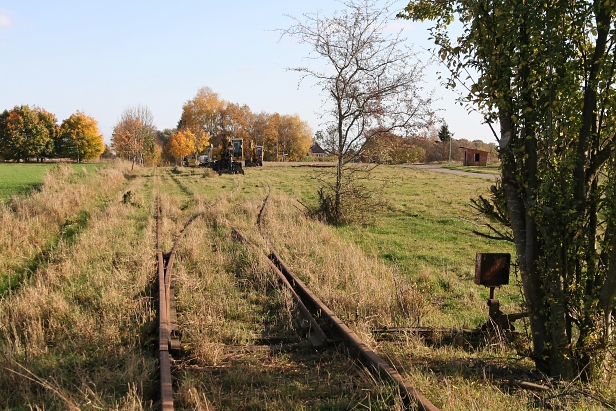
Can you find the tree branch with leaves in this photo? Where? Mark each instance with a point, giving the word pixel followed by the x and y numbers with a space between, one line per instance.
pixel 545 73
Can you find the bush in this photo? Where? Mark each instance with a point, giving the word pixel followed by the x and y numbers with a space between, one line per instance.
pixel 358 204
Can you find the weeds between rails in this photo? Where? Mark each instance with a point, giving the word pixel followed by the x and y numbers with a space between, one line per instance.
pixel 189 369
pixel 223 371
pixel 85 322
pixel 164 329
pixel 169 333
pixel 380 368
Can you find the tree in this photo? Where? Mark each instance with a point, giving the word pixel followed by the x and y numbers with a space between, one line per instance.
pixel 181 144
pixel 162 139
pixel 371 82
pixel 235 120
pixel 381 149
pixel 79 138
pixel 545 72
pixel 107 153
pixel 134 134
pixel 49 122
pixel 265 134
pixel 203 113
pixel 153 156
pixel 27 133
pixel 271 137
pixel 295 137
pixel 445 136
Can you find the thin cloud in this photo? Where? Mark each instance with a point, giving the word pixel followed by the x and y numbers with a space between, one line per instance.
pixel 5 21
pixel 399 25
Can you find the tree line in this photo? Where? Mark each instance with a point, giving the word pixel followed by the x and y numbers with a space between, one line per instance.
pixel 389 148
pixel 206 120
pixel 32 133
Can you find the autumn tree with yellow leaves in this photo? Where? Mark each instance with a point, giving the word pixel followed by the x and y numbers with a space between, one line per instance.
pixel 79 138
pixel 133 136
pixel 236 120
pixel 202 113
pixel 282 136
pixel 181 144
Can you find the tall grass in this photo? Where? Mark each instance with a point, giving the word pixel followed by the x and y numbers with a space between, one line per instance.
pixel 31 225
pixel 228 298
pixel 77 334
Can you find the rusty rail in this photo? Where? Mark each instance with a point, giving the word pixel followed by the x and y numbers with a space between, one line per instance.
pixel 168 333
pixel 373 361
pixel 314 333
pixel 305 298
pixel 166 390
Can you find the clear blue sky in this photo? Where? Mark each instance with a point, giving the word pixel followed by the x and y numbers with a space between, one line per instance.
pixel 100 57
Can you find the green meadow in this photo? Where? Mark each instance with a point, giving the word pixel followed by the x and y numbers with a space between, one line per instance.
pixel 21 178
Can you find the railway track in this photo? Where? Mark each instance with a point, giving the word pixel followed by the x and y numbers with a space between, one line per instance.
pixel 318 324
pixel 310 306
pixel 168 330
pixel 110 292
pixel 164 329
pixel 339 331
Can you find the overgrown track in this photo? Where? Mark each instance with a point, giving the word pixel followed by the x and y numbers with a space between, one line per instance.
pixel 310 306
pixel 373 361
pixel 310 310
pixel 164 301
pixel 168 336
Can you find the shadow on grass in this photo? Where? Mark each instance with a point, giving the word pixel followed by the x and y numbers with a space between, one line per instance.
pixel 69 231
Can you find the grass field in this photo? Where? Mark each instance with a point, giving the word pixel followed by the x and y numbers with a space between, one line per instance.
pixel 21 178
pixel 77 317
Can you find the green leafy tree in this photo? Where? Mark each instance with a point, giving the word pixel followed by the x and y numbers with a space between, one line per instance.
pixel 79 138
pixel 545 73
pixel 50 122
pixel 27 133
pixel 444 135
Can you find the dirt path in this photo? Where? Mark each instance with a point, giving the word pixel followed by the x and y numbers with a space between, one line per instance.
pixel 436 167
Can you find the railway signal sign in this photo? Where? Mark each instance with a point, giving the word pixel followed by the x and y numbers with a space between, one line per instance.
pixel 492 269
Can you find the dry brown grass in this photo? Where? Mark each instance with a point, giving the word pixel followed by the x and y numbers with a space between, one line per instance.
pixel 73 335
pixel 367 293
pixel 31 225
pixel 79 332
pixel 361 290
pixel 227 297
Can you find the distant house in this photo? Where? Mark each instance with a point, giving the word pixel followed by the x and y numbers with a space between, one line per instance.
pixel 317 151
pixel 474 157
